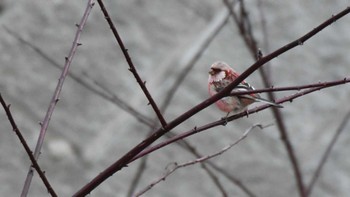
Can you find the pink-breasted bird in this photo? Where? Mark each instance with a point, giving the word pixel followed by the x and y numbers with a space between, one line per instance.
pixel 221 75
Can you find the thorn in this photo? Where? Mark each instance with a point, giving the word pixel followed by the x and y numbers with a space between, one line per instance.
pixel 66 58
pixel 40 123
pixel 148 103
pixel 57 100
pixel 77 25
pixel 195 128
pixel 144 82
pixel 93 4
pixel 79 44
pixel 247 114
pixel 9 105
pixel 259 54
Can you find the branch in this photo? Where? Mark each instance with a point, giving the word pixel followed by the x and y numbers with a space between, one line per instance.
pixel 120 163
pixel 26 147
pixel 56 94
pixel 244 26
pixel 199 160
pixel 231 118
pixel 131 65
pixel 288 88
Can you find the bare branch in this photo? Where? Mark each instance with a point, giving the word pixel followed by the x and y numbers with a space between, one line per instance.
pixel 244 26
pixel 26 148
pixel 131 64
pixel 289 88
pixel 56 94
pixel 231 118
pixel 121 162
pixel 199 160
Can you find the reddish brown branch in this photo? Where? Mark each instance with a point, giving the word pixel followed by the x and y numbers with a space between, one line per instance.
pixel 26 148
pixel 231 118
pixel 131 64
pixel 122 162
pixel 56 94
pixel 245 30
pixel 288 88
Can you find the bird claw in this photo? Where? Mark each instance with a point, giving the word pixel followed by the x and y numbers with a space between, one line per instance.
pixel 225 119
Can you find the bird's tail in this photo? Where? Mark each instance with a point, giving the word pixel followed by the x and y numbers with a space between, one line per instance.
pixel 269 102
pixel 262 100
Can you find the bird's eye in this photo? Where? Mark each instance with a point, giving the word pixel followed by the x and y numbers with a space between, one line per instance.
pixel 214 71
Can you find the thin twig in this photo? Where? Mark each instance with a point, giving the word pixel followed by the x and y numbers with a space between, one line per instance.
pixel 131 65
pixel 26 148
pixel 121 162
pixel 326 154
pixel 199 160
pixel 56 94
pixel 111 97
pixel 244 25
pixel 135 181
pixel 287 88
pixel 204 41
pixel 228 119
pixel 226 174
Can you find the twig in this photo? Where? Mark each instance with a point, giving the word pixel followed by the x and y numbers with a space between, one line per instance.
pixel 111 97
pixel 288 88
pixel 199 160
pixel 131 65
pixel 230 118
pixel 26 147
pixel 141 168
pixel 246 33
pixel 326 154
pixel 56 94
pixel 121 162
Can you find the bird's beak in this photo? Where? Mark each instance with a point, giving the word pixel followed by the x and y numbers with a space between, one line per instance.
pixel 211 72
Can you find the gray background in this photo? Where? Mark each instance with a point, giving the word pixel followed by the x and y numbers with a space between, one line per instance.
pixel 88 133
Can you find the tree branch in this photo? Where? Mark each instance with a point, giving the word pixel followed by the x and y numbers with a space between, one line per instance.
pixel 122 162
pixel 131 64
pixel 26 148
pixel 55 97
pixel 199 160
pixel 231 118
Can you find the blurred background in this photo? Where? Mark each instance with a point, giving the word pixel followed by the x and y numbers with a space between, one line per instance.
pixel 88 132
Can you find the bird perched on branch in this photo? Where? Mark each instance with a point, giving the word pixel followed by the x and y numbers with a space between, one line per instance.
pixel 220 76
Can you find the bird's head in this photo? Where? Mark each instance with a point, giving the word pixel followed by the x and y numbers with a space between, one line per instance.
pixel 218 71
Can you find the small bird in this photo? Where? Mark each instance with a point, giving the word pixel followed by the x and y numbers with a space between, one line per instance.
pixel 220 76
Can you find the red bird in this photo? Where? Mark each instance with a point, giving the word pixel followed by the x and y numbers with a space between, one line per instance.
pixel 220 76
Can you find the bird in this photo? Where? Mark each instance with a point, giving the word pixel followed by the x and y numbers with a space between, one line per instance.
pixel 220 76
